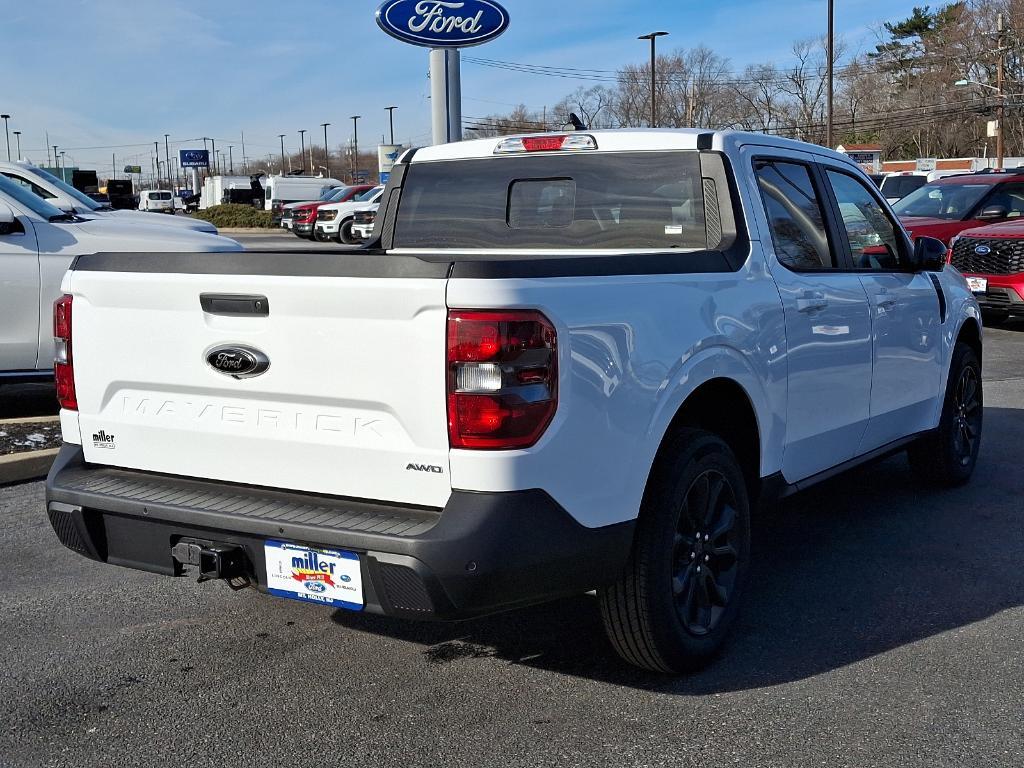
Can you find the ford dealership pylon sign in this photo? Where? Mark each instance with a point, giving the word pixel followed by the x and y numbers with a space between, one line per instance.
pixel 443 23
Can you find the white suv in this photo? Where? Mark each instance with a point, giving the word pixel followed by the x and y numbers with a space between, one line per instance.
pixel 566 363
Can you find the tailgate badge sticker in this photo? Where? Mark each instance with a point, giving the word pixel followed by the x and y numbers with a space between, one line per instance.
pixel 102 440
pixel 238 362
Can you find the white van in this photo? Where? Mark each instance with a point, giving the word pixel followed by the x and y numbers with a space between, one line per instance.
pixel 281 190
pixel 158 200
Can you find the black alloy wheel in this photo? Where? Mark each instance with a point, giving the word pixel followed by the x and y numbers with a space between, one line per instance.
pixel 705 561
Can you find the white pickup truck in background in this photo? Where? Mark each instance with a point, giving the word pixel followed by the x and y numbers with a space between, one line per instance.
pixel 566 362
pixel 37 244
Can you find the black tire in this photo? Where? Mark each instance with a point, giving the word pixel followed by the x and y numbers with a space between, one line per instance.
pixel 320 236
pixel 948 455
pixel 345 233
pixel 672 607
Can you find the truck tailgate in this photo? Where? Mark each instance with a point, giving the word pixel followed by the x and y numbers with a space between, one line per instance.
pixel 352 404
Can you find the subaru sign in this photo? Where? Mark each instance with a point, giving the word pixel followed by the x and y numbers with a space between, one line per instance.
pixel 194 158
pixel 442 23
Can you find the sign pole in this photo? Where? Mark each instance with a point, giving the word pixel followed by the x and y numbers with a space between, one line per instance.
pixel 445 95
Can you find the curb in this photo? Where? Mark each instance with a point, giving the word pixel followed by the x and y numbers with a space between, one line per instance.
pixel 19 467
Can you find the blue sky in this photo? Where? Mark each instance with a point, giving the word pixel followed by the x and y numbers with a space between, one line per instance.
pixel 95 73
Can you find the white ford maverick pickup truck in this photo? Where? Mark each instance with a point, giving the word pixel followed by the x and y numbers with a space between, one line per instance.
pixel 565 363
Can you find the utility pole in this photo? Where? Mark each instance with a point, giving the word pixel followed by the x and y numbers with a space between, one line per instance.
pixel 1001 106
pixel 391 121
pixel 302 147
pixel 55 163
pixel 245 161
pixel 6 118
pixel 231 160
pixel 113 165
pixel 652 36
pixel 830 76
pixel 17 136
pixel 327 152
pixel 281 137
pixel 213 147
pixel 355 146
pixel 156 151
pixel 167 157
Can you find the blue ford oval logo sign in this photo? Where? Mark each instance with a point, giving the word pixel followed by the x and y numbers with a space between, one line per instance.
pixel 237 361
pixel 443 23
pixel 983 250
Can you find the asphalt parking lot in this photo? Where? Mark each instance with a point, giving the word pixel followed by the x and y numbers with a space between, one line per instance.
pixel 884 627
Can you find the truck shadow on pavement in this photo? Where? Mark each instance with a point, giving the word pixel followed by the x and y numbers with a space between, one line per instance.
pixel 27 400
pixel 850 569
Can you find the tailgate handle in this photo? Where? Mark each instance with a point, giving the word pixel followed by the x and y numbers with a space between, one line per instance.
pixel 234 304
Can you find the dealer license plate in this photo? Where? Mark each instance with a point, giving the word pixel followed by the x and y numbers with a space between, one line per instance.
pixel 325 576
pixel 977 284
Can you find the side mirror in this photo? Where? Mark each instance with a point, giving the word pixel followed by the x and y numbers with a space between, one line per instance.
pixel 930 254
pixel 993 212
pixel 7 219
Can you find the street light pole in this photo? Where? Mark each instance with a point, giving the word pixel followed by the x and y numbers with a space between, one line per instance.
pixel 391 121
pixel 327 152
pixel 56 162
pixel 281 137
pixel 302 145
pixel 156 151
pixel 830 53
pixel 6 118
pixel 17 136
pixel 355 146
pixel 652 36
pixel 231 160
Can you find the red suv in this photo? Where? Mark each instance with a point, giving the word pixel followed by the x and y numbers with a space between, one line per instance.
pixel 945 208
pixel 304 215
pixel 992 260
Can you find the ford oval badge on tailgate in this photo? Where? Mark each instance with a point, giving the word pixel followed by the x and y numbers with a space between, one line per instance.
pixel 237 361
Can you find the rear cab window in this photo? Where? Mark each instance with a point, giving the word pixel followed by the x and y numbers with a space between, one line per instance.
pixel 635 201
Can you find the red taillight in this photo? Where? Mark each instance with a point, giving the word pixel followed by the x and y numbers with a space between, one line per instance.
pixel 502 378
pixel 63 362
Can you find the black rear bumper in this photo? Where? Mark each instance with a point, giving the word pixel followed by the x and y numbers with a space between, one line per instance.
pixel 484 552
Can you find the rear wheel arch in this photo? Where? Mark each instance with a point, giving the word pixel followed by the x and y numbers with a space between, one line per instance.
pixel 723 407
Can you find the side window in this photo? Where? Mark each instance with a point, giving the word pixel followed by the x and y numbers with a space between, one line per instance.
pixel 36 190
pixel 874 237
pixel 1009 197
pixel 794 214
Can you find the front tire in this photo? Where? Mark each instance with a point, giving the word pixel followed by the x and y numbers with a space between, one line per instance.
pixel 948 455
pixel 673 606
pixel 345 233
